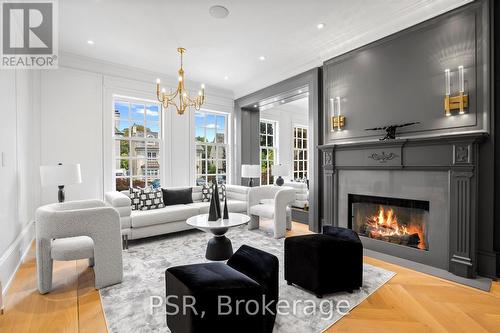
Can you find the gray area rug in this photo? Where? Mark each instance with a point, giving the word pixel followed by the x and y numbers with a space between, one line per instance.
pixel 127 306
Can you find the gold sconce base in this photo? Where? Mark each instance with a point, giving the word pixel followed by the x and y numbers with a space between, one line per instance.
pixel 338 123
pixel 460 102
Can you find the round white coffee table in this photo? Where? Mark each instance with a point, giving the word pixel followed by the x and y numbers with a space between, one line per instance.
pixel 219 247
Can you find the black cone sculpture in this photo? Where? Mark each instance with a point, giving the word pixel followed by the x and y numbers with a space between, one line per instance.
pixel 226 213
pixel 212 213
pixel 215 194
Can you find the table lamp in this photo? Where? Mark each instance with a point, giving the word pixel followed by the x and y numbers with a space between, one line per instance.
pixel 250 171
pixel 278 170
pixel 60 175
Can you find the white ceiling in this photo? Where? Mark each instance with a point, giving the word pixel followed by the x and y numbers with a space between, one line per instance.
pixel 145 34
pixel 299 106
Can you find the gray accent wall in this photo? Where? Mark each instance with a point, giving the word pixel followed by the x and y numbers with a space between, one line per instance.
pixel 401 78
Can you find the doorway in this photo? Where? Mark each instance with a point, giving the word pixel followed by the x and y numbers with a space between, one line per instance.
pixel 280 126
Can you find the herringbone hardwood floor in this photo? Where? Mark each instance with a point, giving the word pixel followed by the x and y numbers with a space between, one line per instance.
pixel 409 302
pixel 417 302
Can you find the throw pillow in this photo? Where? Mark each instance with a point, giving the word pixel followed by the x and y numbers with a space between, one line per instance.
pixel 135 198
pixel 207 190
pixel 151 199
pixel 177 196
pixel 222 192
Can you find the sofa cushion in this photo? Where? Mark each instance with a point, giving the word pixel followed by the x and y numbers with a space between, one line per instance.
pixel 167 214
pixel 262 210
pixel 72 248
pixel 203 207
pixel 267 201
pixel 177 196
pixel 235 206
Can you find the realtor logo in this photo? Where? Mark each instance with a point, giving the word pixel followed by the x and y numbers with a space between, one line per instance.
pixel 29 38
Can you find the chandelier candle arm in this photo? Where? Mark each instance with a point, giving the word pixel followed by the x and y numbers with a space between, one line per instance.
pixel 184 100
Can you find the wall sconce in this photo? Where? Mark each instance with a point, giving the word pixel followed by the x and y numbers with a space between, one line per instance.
pixel 456 102
pixel 338 121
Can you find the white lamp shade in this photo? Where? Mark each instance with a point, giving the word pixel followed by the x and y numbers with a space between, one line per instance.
pixel 64 174
pixel 250 171
pixel 279 170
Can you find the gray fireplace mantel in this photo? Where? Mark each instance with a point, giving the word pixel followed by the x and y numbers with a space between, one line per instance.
pixel 458 154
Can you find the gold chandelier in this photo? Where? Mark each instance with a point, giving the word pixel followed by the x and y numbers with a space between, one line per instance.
pixel 180 98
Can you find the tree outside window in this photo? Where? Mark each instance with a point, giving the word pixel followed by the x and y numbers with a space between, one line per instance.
pixel 211 147
pixel 137 143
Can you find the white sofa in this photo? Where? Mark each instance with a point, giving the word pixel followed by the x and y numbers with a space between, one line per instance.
pixel 145 223
pixel 301 194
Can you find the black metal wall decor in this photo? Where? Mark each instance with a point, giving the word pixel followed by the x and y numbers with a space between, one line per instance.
pixel 390 130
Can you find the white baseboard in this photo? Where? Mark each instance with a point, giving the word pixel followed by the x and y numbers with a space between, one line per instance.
pixel 14 255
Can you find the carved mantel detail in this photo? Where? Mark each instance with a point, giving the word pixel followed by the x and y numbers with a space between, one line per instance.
pixel 383 157
pixel 461 154
pixel 327 158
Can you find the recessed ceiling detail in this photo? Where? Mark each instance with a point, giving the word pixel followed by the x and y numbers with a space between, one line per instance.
pixel 142 34
pixel 218 12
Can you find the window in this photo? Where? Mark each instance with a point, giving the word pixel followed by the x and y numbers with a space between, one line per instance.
pixel 268 143
pixel 300 153
pixel 137 143
pixel 211 147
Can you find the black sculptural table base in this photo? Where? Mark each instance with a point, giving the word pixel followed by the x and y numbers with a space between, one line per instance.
pixel 219 247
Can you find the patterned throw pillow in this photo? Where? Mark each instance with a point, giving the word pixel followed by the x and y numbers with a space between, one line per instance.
pixel 222 192
pixel 135 198
pixel 207 190
pixel 151 199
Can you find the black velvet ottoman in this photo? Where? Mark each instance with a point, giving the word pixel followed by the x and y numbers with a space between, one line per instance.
pixel 325 263
pixel 250 275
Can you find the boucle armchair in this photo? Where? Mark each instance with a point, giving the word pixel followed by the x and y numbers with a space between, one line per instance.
pixel 78 230
pixel 272 202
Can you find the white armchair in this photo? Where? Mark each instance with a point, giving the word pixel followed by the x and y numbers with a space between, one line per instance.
pixel 78 230
pixel 271 202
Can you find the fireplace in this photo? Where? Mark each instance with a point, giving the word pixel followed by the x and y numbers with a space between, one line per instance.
pixel 393 220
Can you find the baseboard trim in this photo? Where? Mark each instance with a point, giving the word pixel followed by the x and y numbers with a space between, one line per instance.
pixel 14 255
pixel 480 282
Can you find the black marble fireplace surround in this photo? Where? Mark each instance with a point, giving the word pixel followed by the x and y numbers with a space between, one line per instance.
pixel 442 170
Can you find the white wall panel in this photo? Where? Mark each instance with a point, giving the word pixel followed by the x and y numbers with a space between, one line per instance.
pixel 19 181
pixel 71 129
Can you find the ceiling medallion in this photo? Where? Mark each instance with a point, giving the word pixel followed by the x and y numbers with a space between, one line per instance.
pixel 183 100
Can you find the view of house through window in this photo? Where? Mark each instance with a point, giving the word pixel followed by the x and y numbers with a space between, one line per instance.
pixel 299 153
pixel 211 137
pixel 137 142
pixel 268 146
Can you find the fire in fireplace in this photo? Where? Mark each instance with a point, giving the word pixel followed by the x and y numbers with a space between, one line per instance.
pixel 394 220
